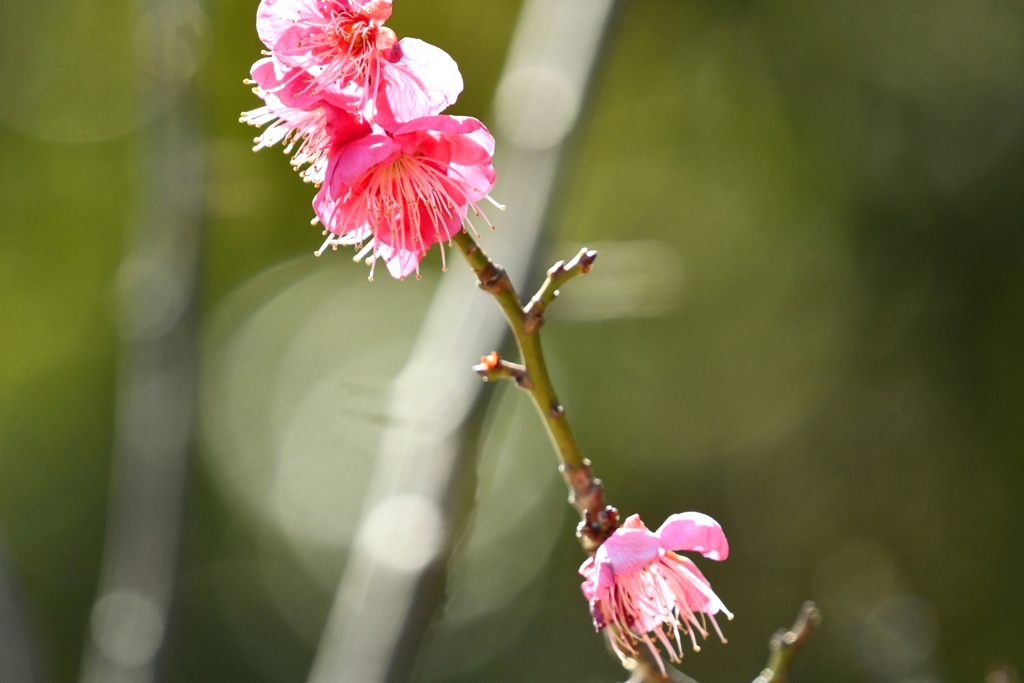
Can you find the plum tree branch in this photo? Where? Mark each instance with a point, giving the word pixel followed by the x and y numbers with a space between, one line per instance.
pixel 586 492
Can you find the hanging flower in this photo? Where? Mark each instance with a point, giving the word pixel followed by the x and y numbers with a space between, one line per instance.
pixel 393 194
pixel 643 592
pixel 343 46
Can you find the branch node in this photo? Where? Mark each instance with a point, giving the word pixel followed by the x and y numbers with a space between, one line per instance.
pixel 586 494
pixel 594 530
pixel 493 367
pixel 493 279
pixel 533 320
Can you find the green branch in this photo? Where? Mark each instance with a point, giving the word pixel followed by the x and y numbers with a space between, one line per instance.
pixel 585 491
pixel 784 645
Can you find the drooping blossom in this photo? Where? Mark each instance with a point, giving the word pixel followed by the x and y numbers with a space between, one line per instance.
pixel 393 194
pixel 343 46
pixel 643 592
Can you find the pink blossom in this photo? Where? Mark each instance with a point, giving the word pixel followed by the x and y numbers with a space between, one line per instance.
pixel 343 46
pixel 301 125
pixel 642 592
pixel 394 194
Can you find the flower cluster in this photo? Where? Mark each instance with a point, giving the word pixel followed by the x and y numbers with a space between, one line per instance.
pixel 640 591
pixel 360 112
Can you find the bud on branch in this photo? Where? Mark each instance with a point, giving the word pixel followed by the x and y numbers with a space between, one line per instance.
pixel 558 275
pixel 493 367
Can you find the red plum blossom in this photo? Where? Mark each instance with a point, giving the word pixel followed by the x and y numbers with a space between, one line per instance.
pixel 394 193
pixel 320 47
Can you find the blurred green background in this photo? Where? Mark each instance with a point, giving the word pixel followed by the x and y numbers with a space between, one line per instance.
pixel 806 322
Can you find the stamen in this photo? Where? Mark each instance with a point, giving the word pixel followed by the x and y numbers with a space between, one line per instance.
pixel 718 630
pixel 323 247
pixel 363 252
pixel 467 222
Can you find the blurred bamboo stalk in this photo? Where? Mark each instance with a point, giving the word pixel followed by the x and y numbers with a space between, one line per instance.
pixel 369 636
pixel 19 662
pixel 156 290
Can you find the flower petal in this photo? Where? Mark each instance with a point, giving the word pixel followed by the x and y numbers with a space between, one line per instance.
pixel 442 123
pixel 424 82
pixel 351 161
pixel 344 126
pixel 477 180
pixel 276 17
pixel 293 86
pixel 629 550
pixel 695 588
pixel 605 579
pixel 378 10
pixel 694 531
pixel 634 522
pixel 401 262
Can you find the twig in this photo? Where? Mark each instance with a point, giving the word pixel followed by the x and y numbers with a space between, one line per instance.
pixel 558 275
pixel 493 367
pixel 784 645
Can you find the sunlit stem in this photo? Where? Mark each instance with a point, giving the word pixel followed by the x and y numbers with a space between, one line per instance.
pixel 586 492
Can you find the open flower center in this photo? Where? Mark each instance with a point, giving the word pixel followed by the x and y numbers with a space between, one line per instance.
pixel 345 47
pixel 404 199
pixel 349 35
pixel 400 205
pixel 405 205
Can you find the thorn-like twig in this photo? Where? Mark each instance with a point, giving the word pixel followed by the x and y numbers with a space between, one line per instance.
pixel 784 645
pixel 558 275
pixel 493 367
